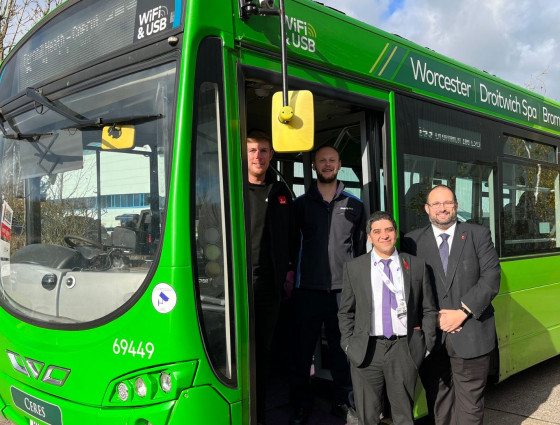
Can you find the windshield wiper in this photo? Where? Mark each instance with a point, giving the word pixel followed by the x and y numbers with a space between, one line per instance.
pixel 102 122
pixel 82 123
pixel 40 98
pixel 33 137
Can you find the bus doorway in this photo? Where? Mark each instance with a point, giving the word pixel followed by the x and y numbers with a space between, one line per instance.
pixel 357 133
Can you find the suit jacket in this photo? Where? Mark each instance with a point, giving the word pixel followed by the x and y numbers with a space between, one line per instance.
pixel 473 277
pixel 356 307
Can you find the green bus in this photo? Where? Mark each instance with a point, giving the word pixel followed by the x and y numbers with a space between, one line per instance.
pixel 124 287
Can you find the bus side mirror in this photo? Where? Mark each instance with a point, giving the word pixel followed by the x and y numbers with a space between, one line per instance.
pixel 293 127
pixel 117 137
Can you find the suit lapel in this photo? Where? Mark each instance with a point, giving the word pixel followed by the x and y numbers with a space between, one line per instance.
pixel 365 270
pixel 405 267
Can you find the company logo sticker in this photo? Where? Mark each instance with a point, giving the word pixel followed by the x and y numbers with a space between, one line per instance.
pixel 34 368
pixel 300 34
pixel 164 298
pixel 152 18
pixel 47 413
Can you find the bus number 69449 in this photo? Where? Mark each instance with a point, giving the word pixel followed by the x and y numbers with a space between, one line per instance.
pixel 124 347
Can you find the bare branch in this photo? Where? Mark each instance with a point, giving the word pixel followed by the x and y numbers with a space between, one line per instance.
pixel 18 16
pixel 537 84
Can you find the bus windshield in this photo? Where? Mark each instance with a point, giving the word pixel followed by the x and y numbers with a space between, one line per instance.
pixel 81 215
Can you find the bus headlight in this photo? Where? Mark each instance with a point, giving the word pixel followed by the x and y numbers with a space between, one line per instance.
pixel 122 389
pixel 158 384
pixel 140 387
pixel 165 382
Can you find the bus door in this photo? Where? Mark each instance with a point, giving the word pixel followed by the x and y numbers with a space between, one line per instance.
pixel 357 132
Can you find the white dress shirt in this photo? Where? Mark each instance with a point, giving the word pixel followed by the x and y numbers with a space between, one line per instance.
pixel 399 326
pixel 450 232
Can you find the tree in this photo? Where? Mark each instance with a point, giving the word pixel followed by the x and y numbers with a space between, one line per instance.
pixel 18 16
pixel 537 84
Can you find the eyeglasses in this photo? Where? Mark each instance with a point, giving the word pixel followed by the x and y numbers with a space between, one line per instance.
pixel 439 204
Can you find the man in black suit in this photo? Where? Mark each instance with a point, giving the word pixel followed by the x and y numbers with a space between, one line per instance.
pixel 387 320
pixel 465 272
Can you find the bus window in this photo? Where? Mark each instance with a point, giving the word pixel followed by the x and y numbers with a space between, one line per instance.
pixel 448 147
pixel 298 188
pixel 71 261
pixel 210 201
pixel 530 197
pixel 469 181
pixel 211 270
pixel 530 208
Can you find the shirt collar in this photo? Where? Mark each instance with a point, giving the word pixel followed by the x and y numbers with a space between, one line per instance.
pixel 394 257
pixel 451 231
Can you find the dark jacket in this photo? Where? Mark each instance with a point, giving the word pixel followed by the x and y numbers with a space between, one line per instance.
pixel 473 277
pixel 281 228
pixel 330 235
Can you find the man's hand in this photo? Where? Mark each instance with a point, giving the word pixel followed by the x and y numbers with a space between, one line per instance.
pixel 451 320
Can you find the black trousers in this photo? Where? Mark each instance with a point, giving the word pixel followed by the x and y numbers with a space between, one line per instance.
pixel 267 306
pixel 387 364
pixel 312 310
pixel 455 386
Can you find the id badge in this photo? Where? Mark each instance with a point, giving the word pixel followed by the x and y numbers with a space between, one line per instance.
pixel 401 310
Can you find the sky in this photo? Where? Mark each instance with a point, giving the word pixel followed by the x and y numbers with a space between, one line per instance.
pixel 516 40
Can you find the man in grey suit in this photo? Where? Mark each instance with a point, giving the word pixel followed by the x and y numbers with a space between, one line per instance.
pixel 387 320
pixel 465 272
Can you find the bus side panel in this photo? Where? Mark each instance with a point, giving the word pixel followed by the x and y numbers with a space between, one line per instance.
pixel 527 314
pixel 420 405
pixel 200 405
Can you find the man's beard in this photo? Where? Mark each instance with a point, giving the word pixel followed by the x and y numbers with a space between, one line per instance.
pixel 324 179
pixel 452 219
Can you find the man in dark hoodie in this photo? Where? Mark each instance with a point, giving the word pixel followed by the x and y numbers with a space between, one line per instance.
pixel 272 242
pixel 331 225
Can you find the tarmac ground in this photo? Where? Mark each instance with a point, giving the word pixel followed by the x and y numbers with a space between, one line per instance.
pixel 531 397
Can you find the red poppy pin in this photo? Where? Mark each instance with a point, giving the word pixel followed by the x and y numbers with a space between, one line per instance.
pixel 282 200
pixel 405 264
pixel 463 237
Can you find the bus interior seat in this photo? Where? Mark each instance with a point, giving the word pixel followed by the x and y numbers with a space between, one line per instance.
pixel 144 220
pixel 124 237
pixel 134 236
pixel 144 229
